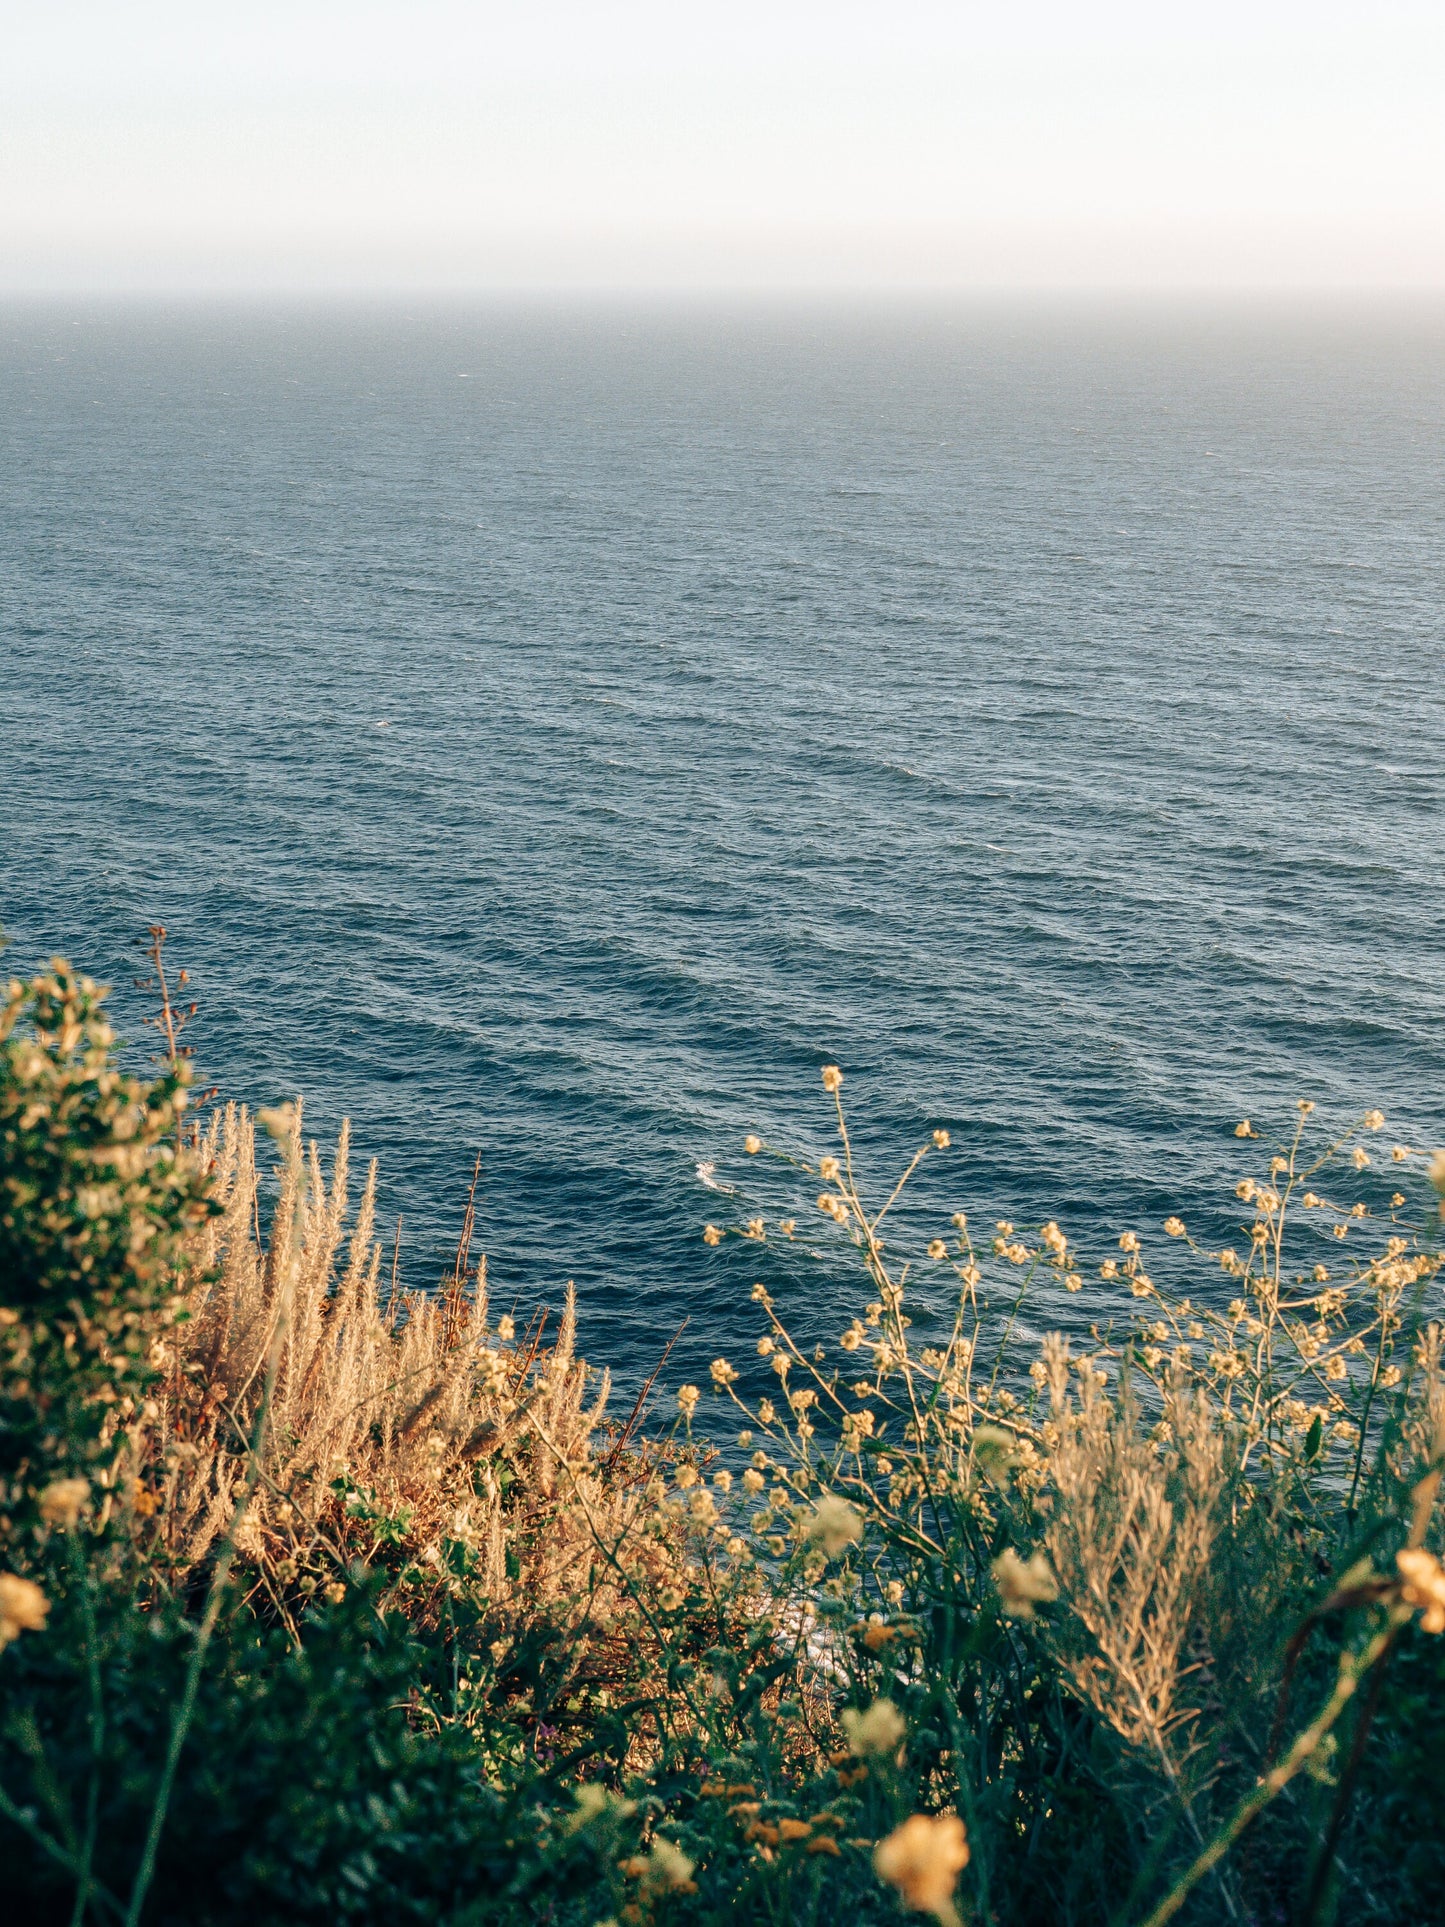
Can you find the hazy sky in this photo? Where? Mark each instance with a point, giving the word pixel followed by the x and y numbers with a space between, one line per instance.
pixel 787 143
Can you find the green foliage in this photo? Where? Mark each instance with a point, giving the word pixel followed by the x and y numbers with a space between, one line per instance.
pixel 97 1198
pixel 1130 1610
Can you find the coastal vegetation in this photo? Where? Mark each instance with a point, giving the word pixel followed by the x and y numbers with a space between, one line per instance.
pixel 323 1599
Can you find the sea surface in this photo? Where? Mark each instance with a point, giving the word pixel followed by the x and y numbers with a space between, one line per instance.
pixel 556 733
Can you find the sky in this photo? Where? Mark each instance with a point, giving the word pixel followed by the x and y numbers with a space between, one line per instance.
pixel 683 144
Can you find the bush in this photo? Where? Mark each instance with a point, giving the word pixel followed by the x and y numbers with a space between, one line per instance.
pixel 97 1202
pixel 396 1624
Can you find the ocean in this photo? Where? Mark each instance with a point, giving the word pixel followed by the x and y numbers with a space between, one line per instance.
pixel 556 732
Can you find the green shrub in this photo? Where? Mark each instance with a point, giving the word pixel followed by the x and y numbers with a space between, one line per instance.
pixel 97 1199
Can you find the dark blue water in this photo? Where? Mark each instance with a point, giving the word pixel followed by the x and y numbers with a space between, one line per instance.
pixel 560 734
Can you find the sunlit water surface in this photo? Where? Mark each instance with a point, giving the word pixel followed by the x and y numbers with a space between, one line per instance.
pixel 560 734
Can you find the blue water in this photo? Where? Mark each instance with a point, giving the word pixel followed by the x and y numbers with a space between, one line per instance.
pixel 559 733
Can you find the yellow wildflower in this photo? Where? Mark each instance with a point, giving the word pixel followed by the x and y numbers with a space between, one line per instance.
pixel 1174 1227
pixel 941 1140
pixel 832 1078
pixel 61 1502
pixel 835 1525
pixel 937 1250
pixel 1423 1585
pixel 877 1731
pixel 23 1607
pixel 922 1859
pixel 752 1145
pixel 711 1235
pixel 1023 1583
pixel 1244 1128
pixel 1373 1120
pixel 687 1398
pixel 723 1374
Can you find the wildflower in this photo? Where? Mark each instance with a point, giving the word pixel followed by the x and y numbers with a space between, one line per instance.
pixel 334 1593
pixel 893 1592
pixel 687 1398
pixel 829 1170
pixel 959 1220
pixel 1339 1230
pixel 877 1731
pixel 1373 1120
pixel 941 1140
pixel 1244 1129
pixel 1174 1227
pixel 1335 1368
pixel 1109 1269
pixel 1004 1228
pixel 835 1525
pixel 1359 1157
pixel 1321 1275
pixel 1054 1239
pixel 667 1869
pixel 1227 1259
pixel 755 1228
pixel 1397 1200
pixel 61 1501
pixel 1423 1585
pixel 1391 1375
pixel 670 1599
pixel 937 1250
pixel 723 1481
pixel 23 1607
pixel 1246 1189
pixel 766 1414
pixel 1305 1106
pixel 1016 1253
pixel 711 1235
pixel 923 1859
pixel 852 1338
pixel 1141 1285
pixel 753 1481
pixel 766 1347
pixel 1023 1583
pixel 722 1373
pixel 832 1078
pixel 1129 1242
pixel 752 1145
pixel 1073 1282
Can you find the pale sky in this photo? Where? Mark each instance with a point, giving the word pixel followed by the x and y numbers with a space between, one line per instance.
pixel 788 144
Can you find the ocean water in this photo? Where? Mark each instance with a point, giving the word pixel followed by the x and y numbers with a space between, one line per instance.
pixel 558 733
